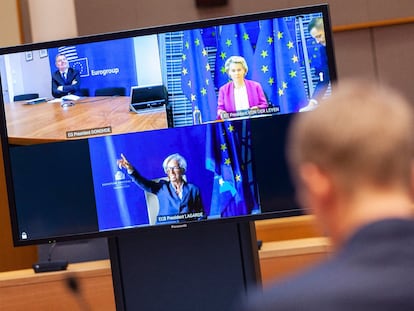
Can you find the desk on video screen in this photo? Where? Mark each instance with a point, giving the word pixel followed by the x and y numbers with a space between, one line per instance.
pixel 48 121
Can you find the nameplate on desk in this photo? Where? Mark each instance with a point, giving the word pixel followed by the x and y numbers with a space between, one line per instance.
pixel 89 132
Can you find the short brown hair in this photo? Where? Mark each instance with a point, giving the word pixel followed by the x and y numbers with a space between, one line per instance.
pixel 362 133
pixel 316 23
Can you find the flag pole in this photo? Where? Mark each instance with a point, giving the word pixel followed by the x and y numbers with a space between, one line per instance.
pixel 306 56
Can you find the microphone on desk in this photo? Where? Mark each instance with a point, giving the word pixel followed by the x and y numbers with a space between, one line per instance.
pixel 73 284
pixel 50 265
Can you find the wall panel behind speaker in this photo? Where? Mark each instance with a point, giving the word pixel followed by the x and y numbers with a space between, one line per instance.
pixel 394 46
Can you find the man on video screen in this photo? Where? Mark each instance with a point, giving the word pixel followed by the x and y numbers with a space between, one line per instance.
pixel 65 80
pixel 317 32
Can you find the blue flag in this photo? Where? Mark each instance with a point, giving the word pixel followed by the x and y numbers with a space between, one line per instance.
pixel 233 40
pixel 319 61
pixel 232 194
pixel 277 66
pixel 196 79
pixel 96 65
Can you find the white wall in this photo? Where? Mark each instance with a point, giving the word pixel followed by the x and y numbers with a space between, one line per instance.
pixel 26 76
pixel 147 59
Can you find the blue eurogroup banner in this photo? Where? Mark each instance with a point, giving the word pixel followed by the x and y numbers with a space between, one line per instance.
pixel 101 64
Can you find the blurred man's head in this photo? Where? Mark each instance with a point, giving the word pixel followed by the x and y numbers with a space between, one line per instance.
pixel 360 139
pixel 317 30
pixel 61 62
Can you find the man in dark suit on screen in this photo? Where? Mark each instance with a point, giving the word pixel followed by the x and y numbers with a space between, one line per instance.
pixel 317 31
pixel 352 162
pixel 65 80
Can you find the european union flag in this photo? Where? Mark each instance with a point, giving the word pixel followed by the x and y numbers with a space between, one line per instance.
pixel 319 62
pixel 233 40
pixel 81 64
pixel 314 52
pixel 196 80
pixel 277 66
pixel 209 35
pixel 232 194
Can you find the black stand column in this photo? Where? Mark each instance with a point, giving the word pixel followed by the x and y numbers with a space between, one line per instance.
pixel 201 267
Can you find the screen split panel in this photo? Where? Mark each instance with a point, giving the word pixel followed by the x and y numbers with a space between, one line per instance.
pixel 90 155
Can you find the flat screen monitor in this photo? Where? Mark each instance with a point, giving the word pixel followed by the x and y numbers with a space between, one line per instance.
pixel 80 163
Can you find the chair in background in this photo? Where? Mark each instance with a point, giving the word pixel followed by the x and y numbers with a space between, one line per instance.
pixel 111 91
pixel 84 92
pixel 28 96
pixel 153 205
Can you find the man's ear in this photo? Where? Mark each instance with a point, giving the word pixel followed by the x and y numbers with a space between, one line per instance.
pixel 317 182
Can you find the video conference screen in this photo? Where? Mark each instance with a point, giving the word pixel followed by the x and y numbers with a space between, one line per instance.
pixel 159 127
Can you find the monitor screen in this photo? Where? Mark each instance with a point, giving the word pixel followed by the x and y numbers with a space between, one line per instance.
pixel 160 127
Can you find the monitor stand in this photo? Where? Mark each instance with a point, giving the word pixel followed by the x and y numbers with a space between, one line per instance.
pixel 199 267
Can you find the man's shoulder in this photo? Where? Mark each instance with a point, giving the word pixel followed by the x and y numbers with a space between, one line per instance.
pixel 307 291
pixel 350 274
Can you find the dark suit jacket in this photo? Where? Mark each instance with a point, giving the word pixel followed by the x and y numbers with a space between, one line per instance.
pixel 373 272
pixel 322 72
pixel 68 87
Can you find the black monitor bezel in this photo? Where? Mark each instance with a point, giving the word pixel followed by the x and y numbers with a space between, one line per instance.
pixel 322 8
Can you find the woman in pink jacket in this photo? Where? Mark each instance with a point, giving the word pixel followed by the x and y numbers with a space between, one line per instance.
pixel 239 94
